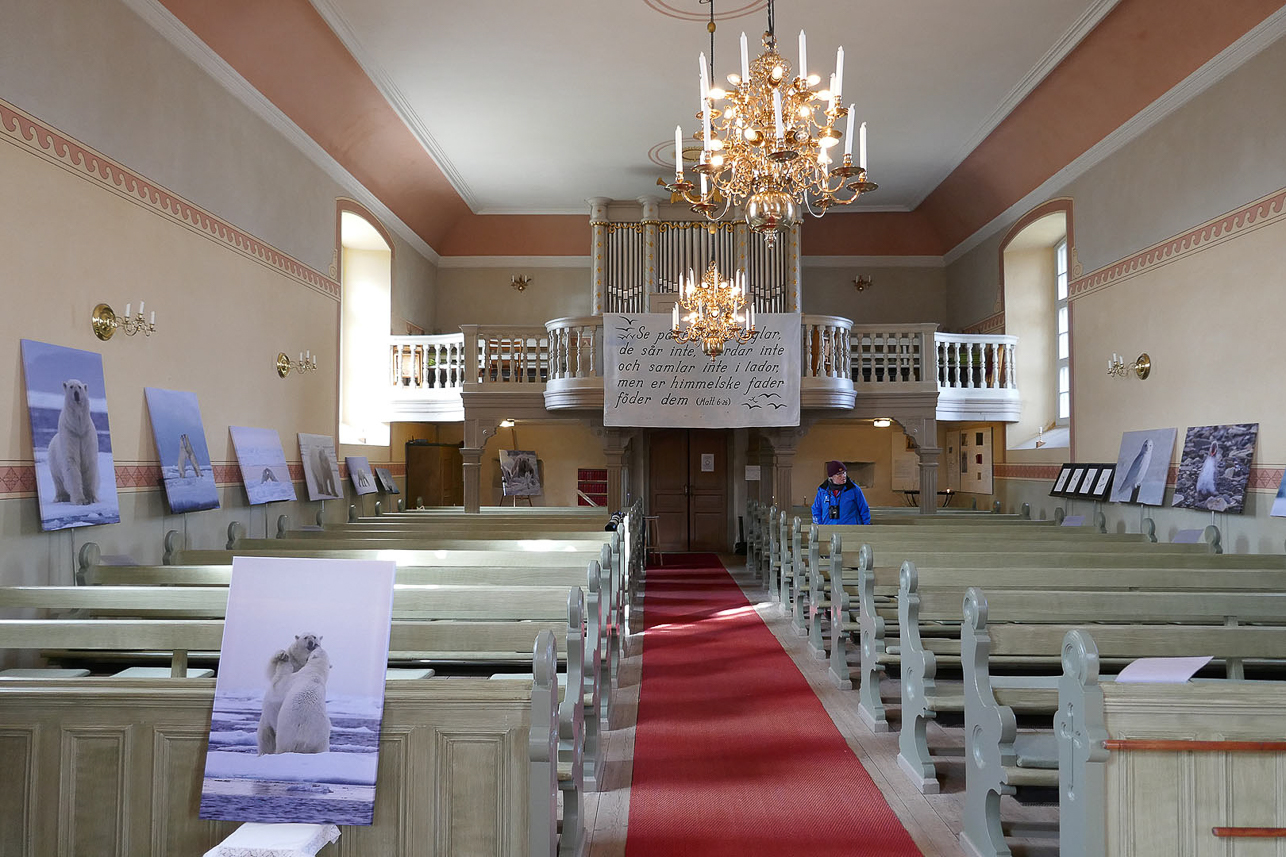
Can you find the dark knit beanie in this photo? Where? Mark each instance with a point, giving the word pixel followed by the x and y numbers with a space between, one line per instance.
pixel 833 467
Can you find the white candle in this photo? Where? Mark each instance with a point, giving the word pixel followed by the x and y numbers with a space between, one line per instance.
pixel 705 126
pixel 803 56
pixel 839 71
pixel 705 78
pixel 301 357
pixel 678 150
pixel 153 317
pixel 127 309
pixel 745 61
pixel 861 146
pixel 675 325
pixel 703 185
pixel 776 112
pixel 848 133
pixel 140 307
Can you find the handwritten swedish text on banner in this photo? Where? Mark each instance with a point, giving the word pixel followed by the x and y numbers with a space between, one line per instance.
pixel 651 380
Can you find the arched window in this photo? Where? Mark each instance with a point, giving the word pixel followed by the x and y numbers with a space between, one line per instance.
pixel 366 277
pixel 1035 258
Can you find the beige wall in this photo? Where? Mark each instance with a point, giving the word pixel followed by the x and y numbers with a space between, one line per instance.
pixel 845 441
pixel 487 296
pixel 561 447
pixel 897 295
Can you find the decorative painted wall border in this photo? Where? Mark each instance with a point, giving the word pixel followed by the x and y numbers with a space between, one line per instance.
pixel 1260 213
pixel 991 324
pixel 48 143
pixel 18 479
pixel 1261 478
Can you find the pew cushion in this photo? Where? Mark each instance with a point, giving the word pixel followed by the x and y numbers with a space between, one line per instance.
pixel 275 840
pixel 44 673
pixel 162 672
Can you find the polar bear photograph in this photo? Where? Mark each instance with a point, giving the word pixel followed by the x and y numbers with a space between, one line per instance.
pixel 299 694
pixel 321 466
pixel 182 450
pixel 72 447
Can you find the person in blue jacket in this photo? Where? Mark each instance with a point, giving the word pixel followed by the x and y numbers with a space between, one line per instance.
pixel 838 500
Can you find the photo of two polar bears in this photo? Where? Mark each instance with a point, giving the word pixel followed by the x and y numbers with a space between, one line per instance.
pixel 73 452
pixel 294 718
pixel 187 457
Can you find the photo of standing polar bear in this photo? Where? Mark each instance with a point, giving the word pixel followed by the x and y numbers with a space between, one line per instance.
pixel 359 470
pixel 294 733
pixel 263 464
pixel 321 467
pixel 72 445
pixel 181 447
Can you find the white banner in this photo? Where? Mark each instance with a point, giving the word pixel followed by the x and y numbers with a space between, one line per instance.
pixel 649 380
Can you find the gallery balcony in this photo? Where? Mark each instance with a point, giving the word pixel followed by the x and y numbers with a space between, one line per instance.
pixel 536 370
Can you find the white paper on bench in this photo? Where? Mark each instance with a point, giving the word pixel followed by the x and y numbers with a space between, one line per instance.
pixel 275 840
pixel 1073 521
pixel 1162 670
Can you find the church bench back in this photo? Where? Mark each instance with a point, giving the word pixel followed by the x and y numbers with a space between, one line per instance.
pixel 152 735
pixel 1224 737
pixel 990 728
pixel 922 607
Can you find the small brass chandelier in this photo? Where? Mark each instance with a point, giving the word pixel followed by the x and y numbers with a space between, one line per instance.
pixel 768 147
pixel 711 306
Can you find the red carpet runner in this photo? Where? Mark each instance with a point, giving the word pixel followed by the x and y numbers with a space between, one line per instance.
pixel 734 754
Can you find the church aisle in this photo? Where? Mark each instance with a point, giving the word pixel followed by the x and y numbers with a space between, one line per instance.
pixel 733 752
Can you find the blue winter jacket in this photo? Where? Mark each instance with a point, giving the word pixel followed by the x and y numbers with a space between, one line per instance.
pixel 852 504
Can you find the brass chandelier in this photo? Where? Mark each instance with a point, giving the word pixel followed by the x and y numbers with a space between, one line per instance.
pixel 712 304
pixel 767 146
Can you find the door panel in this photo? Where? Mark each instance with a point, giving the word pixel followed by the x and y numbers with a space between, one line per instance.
pixel 688 472
pixel 668 481
pixel 708 475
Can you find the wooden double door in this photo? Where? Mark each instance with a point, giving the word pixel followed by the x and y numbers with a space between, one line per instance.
pixel 688 488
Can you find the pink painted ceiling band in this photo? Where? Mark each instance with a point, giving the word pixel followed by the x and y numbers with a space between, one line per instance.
pixel 30 134
pixel 1257 214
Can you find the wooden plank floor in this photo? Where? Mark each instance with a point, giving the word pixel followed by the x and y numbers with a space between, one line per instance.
pixel 934 821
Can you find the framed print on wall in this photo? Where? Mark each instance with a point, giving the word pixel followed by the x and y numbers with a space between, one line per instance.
pixel 1060 484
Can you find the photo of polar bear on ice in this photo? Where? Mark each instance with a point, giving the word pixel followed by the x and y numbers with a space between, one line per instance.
pixel 182 450
pixel 299 696
pixel 72 445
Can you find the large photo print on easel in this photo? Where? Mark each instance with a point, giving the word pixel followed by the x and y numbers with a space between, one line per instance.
pixel 72 444
pixel 180 444
pixel 295 730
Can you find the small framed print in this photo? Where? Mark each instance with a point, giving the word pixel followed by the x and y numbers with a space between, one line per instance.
pixel 1104 482
pixel 1074 482
pixel 1087 484
pixel 1060 484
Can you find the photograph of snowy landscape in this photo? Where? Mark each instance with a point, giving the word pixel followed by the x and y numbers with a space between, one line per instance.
pixel 294 734
pixel 72 445
pixel 181 447
pixel 263 464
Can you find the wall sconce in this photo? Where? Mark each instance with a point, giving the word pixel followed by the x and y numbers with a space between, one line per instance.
pixel 306 363
pixel 520 282
pixel 861 282
pixel 1117 367
pixel 105 322
pixel 882 423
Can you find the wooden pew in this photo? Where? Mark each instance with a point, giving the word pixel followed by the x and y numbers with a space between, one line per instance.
pixel 491 747
pixel 1222 739
pixel 997 758
pixel 844 596
pixel 938 609
pixel 877 585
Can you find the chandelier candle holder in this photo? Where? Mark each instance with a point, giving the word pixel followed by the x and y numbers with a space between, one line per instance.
pixel 711 307
pixel 105 322
pixel 767 145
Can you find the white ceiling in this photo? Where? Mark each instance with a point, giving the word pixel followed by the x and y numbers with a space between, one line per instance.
pixel 532 108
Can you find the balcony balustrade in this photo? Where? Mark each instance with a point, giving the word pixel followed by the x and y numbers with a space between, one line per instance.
pixel 972 376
